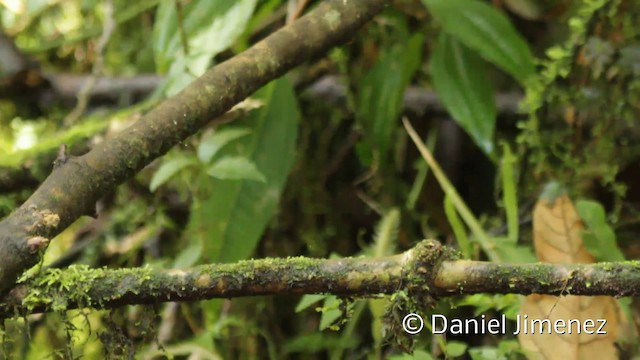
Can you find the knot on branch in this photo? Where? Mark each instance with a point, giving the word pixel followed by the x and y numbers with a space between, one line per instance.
pixel 422 268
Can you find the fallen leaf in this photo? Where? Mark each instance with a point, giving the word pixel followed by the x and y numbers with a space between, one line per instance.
pixel 557 231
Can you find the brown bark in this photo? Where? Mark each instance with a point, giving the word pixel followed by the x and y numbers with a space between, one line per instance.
pixel 73 188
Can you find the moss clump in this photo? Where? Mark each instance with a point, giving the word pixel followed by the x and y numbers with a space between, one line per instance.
pixel 56 288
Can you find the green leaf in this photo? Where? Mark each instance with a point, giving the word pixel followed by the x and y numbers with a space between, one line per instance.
pixel 456 348
pixel 330 312
pixel 188 256
pixel 382 90
pixel 212 143
pixel 386 233
pixel 231 220
pixel 484 29
pixel 458 228
pixel 308 300
pixel 209 26
pixel 235 168
pixel 417 355
pixel 600 239
pixel 460 80
pixel 168 169
pixel 509 195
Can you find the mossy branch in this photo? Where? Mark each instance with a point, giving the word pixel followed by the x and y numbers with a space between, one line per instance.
pixel 73 188
pixel 427 269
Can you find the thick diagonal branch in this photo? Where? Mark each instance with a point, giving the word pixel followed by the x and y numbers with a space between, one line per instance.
pixel 74 187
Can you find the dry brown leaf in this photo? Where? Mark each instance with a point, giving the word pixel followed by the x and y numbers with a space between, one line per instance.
pixel 557 230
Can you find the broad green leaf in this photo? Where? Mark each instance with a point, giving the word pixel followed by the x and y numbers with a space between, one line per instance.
pixel 382 90
pixel 209 27
pixel 600 239
pixel 235 168
pixel 168 169
pixel 231 220
pixel 459 78
pixel 211 144
pixel 486 30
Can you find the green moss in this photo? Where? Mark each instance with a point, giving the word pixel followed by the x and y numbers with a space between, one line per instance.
pixel 57 289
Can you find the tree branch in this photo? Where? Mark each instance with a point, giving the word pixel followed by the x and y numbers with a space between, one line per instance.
pixel 427 269
pixel 73 188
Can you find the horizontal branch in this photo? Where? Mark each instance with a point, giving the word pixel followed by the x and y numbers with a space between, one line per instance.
pixel 424 270
pixel 76 184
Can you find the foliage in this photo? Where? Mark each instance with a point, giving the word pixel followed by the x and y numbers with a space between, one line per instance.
pixel 324 170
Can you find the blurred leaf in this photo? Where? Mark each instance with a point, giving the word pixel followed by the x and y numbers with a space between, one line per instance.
pixel 317 341
pixel 231 220
pixel 481 27
pixel 386 233
pixel 209 26
pixel 598 53
pixel 456 348
pixel 460 80
pixel 509 196
pixel 458 228
pixel 212 143
pixel 168 169
pixel 330 312
pixel 188 256
pixel 417 355
pixel 308 300
pixel 513 252
pixel 486 353
pixel 235 168
pixel 382 90
pixel 600 239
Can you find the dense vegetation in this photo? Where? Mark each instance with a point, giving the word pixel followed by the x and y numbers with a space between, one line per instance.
pixel 514 98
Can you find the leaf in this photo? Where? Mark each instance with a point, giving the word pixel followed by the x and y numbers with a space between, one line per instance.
pixel 557 233
pixel 460 80
pixel 458 228
pixel 168 169
pixel 600 238
pixel 212 143
pixel 484 29
pixel 386 233
pixel 308 300
pixel 209 26
pixel 231 220
pixel 509 195
pixel 456 348
pixel 382 90
pixel 188 256
pixel 575 345
pixel 417 355
pixel 330 312
pixel 235 168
